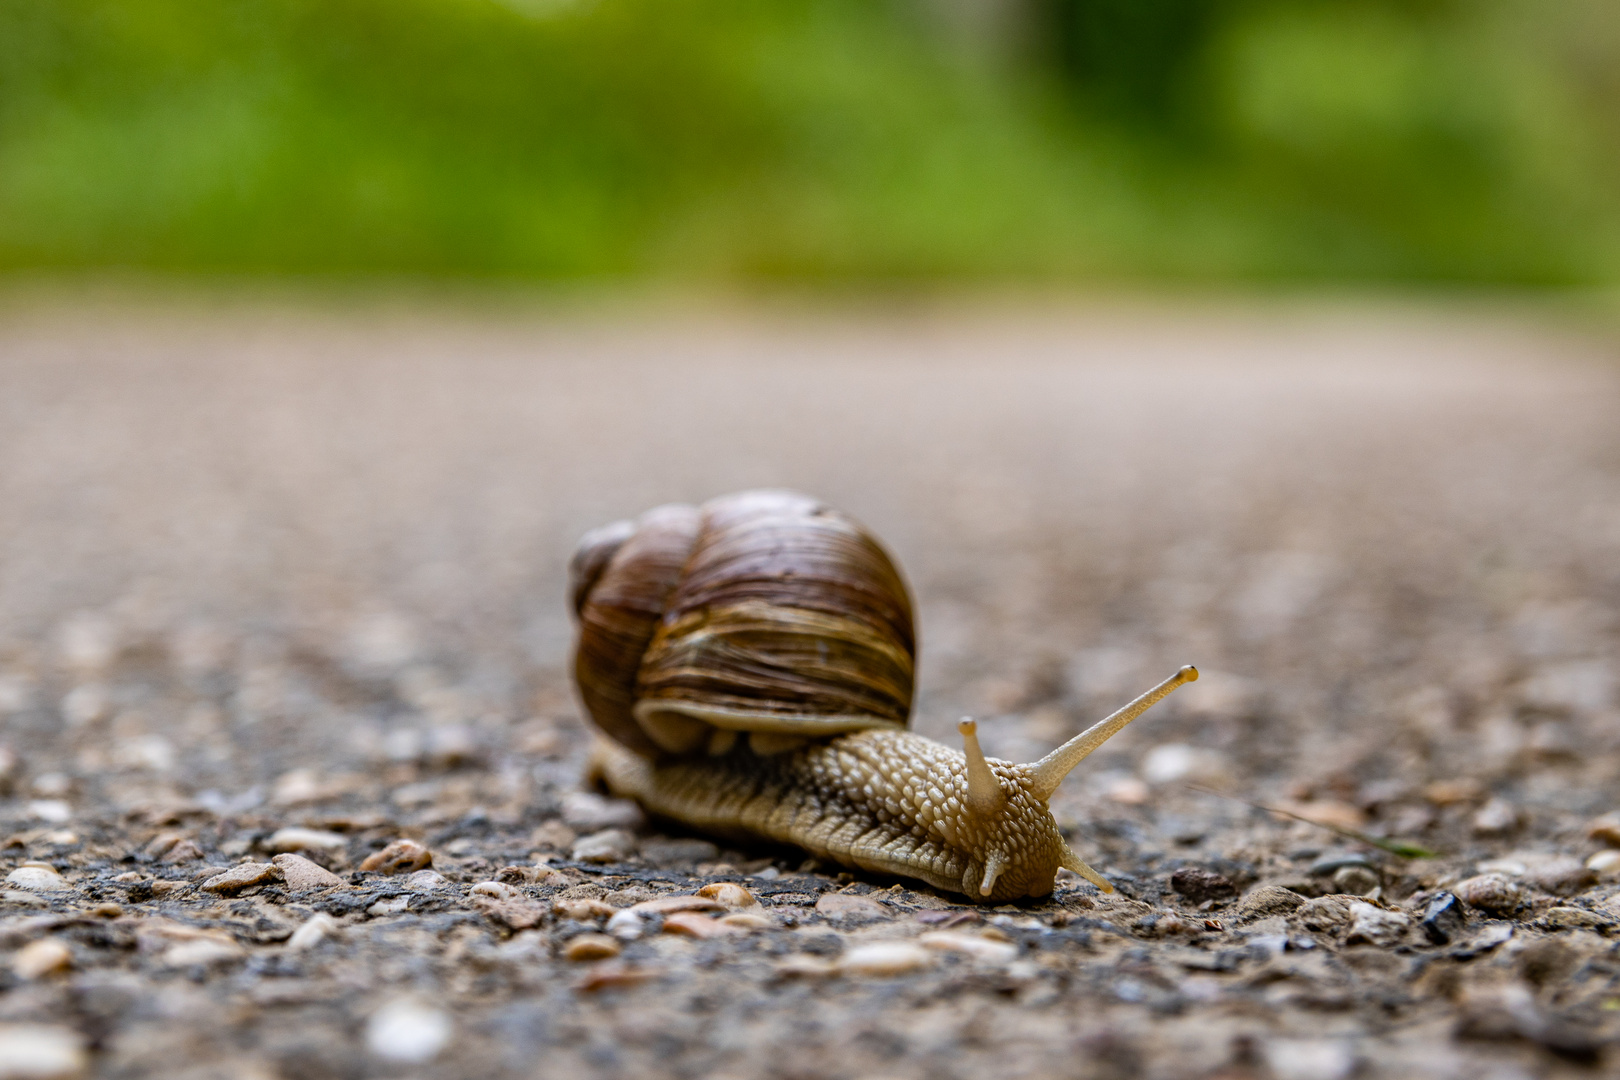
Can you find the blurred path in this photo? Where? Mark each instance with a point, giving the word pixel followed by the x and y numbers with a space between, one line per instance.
pixel 1292 495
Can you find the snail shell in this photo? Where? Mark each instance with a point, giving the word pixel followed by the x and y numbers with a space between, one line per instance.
pixel 765 613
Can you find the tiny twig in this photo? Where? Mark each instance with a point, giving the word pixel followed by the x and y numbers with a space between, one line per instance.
pixel 1394 847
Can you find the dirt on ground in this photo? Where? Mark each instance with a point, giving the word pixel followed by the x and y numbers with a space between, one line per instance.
pixel 290 773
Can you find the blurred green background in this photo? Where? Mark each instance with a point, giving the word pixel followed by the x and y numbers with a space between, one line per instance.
pixel 1472 141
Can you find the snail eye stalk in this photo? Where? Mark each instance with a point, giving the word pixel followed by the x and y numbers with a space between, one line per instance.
pixel 1049 772
pixel 984 794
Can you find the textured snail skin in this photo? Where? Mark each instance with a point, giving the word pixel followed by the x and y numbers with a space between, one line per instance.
pixel 887 802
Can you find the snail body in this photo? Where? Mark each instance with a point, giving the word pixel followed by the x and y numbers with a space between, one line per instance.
pixel 770 616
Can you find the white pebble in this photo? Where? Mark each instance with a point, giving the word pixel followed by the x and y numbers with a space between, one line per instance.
pixel 1376 926
pixel 423 880
pixel 40 1052
pixel 1605 864
pixel 885 958
pixel 980 948
pixel 316 929
pixel 407 1031
pixel 47 956
pixel 202 952
pixel 294 838
pixel 626 925
pixel 393 905
pixel 1310 1059
pixel 37 879
pixel 51 811
pixel 498 889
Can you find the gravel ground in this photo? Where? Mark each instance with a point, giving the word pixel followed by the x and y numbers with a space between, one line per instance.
pixel 290 778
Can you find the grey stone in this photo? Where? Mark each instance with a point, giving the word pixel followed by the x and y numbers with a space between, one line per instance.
pixel 1443 918
pixel 241 877
pixel 300 873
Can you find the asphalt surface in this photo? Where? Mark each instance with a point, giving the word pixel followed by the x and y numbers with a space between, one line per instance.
pixel 265 565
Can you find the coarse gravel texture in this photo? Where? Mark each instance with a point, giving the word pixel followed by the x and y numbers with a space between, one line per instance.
pixel 282 589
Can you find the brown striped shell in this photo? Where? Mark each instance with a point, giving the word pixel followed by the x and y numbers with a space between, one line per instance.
pixel 763 612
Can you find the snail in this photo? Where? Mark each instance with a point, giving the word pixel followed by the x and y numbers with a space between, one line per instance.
pixel 751 662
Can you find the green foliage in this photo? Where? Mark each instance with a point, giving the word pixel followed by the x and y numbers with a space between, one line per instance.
pixel 1470 140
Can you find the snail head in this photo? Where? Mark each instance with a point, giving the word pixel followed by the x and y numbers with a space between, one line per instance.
pixel 1006 825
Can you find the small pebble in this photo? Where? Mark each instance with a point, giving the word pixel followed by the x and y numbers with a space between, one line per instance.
pixel 697 925
pixel 979 948
pixel 1495 893
pixel 515 912
pixel 749 920
pixel 1266 901
pixel 731 896
pixel 243 876
pixel 316 929
pixel 626 925
pixel 591 947
pixel 41 1052
pixel 1373 925
pixel 850 906
pixel 1574 918
pixel 47 956
pixel 582 909
pixel 1605 864
pixel 1443 919
pixel 607 846
pixel 497 889
pixel 183 852
pixel 300 873
pixel 885 958
pixel 403 856
pixel 424 880
pixel 1326 913
pixel 35 878
pixel 665 904
pixel 613 976
pixel 294 838
pixel 408 1031
pixel 799 965
pixel 202 952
